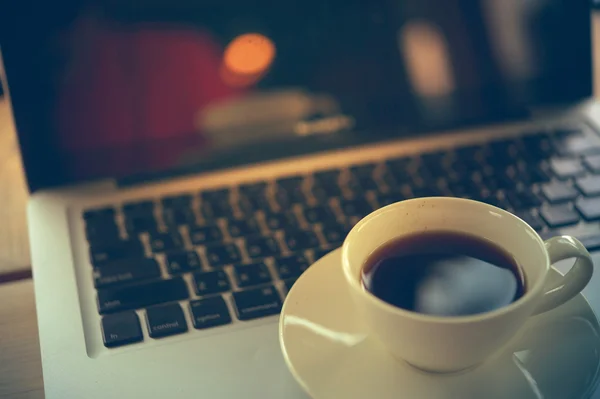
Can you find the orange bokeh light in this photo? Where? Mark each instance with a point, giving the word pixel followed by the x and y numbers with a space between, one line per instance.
pixel 247 58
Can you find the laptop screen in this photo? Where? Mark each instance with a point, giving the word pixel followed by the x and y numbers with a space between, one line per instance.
pixel 124 88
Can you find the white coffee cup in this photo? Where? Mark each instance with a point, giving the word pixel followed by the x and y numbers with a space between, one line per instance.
pixel 448 344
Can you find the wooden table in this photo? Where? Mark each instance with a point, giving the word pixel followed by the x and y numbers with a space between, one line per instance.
pixel 20 362
pixel 14 245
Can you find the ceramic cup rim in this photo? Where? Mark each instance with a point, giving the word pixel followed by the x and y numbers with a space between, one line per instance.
pixel 355 283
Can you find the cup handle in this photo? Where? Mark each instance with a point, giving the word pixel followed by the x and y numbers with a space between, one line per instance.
pixel 572 283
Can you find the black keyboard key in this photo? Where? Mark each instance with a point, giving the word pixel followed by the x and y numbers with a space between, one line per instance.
pixel 97 214
pixel 335 233
pixel 252 274
pixel 161 242
pixel 497 180
pixel 391 180
pixel 203 235
pixel 216 195
pixel 435 163
pixel 116 250
pixel 258 302
pixel 297 240
pixel 291 266
pixel 220 255
pixel 355 207
pixel 136 223
pixel 282 220
pixel 326 177
pixel 323 192
pixel 290 182
pixel 250 203
pixel 209 283
pixel 400 164
pixel 242 227
pixel 261 247
pixel 531 219
pixel 103 217
pixel 365 169
pixel 165 320
pixel 179 216
pixel 359 184
pixel 102 231
pixel 533 173
pixel 589 186
pixel 589 208
pixel 523 198
pixel 465 166
pixel 592 162
pixel 136 296
pixel 537 146
pixel 421 177
pixel 559 215
pixel 285 198
pixel 216 203
pixel 121 329
pixel 565 168
pixel 177 201
pixel 217 209
pixel 183 261
pixel 362 177
pixel 253 188
pixel 559 192
pixel 500 163
pixel 504 148
pixel 209 312
pixel 138 207
pixel 318 214
pixel 125 271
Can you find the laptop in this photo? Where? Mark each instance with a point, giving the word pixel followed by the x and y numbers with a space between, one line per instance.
pixel 189 160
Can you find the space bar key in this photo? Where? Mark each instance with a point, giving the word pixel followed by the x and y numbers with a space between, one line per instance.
pixel 141 295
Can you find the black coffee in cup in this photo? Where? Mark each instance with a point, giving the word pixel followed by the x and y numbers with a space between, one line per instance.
pixel 444 274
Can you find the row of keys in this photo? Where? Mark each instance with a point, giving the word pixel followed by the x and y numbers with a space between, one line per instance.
pixel 217 254
pixel 517 198
pixel 136 270
pixel 141 217
pixel 168 319
pixel 334 232
pixel 237 228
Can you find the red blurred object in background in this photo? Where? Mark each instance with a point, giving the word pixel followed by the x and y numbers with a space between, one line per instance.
pixel 136 88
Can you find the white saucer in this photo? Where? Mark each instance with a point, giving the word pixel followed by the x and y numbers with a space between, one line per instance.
pixel 326 347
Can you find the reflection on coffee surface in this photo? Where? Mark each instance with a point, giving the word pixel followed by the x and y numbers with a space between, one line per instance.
pixel 444 274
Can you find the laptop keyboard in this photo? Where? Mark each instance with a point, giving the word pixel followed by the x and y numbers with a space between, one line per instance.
pixel 233 253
